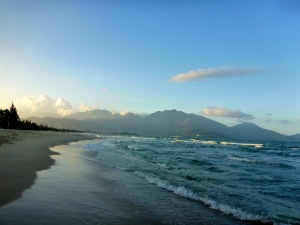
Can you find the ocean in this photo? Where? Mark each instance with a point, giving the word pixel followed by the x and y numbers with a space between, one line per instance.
pixel 165 181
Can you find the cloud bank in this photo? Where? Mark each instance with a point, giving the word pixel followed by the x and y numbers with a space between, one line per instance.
pixel 85 108
pixel 223 112
pixel 43 106
pixel 211 73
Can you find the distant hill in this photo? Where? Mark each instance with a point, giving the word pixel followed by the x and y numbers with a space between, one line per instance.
pixel 162 123
pixel 253 132
pixel 94 114
pixel 173 122
pixel 296 137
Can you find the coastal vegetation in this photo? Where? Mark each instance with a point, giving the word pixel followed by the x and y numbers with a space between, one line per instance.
pixel 9 119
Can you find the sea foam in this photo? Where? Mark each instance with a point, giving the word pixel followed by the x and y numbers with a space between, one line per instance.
pixel 246 160
pixel 184 192
pixel 256 145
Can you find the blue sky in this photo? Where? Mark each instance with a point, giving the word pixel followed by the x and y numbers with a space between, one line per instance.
pixel 232 61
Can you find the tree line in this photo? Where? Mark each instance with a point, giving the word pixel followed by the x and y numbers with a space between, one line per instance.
pixel 9 119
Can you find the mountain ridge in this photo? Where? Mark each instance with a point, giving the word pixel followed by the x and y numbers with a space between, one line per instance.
pixel 162 123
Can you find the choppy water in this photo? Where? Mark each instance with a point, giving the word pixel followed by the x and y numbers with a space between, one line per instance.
pixel 250 181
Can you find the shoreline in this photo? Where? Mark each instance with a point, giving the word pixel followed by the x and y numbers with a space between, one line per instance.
pixel 23 154
pixel 79 189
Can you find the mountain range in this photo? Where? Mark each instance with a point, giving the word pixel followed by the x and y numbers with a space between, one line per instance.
pixel 162 123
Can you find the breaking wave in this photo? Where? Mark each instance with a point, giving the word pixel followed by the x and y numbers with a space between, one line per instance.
pixel 184 192
pixel 228 172
pixel 243 144
pixel 246 160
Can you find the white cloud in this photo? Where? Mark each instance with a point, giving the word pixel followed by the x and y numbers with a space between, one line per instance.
pixel 124 113
pixel 223 112
pixel 85 108
pixel 43 106
pixel 212 73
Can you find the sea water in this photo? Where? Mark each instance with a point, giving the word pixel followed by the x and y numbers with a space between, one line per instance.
pixel 164 181
pixel 251 181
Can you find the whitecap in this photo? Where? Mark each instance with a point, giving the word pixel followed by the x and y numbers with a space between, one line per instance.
pixel 133 147
pixel 243 159
pixel 256 145
pixel 184 192
pixel 163 165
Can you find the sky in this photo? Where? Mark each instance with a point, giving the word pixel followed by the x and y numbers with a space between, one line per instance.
pixel 230 61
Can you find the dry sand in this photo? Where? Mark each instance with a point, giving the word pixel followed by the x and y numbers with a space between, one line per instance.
pixel 22 154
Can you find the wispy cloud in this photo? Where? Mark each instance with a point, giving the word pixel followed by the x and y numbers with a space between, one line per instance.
pixel 284 121
pixel 212 73
pixel 224 112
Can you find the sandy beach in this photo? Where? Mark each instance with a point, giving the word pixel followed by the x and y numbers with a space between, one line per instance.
pixel 22 154
pixel 28 198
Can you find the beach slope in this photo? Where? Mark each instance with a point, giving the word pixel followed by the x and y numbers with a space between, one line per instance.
pixel 22 154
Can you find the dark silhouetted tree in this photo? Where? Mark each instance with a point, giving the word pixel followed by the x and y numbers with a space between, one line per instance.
pixel 28 125
pixel 14 119
pixel 9 119
pixel 4 118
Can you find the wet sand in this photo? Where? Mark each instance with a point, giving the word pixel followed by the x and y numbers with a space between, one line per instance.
pixel 78 190
pixel 22 154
